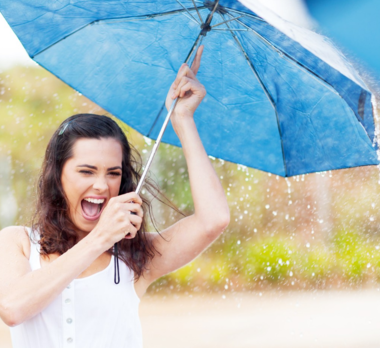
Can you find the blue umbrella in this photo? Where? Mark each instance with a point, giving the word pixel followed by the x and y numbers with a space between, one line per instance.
pixel 280 98
pixel 354 24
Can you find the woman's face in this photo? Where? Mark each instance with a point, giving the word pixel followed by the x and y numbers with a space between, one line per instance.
pixel 90 178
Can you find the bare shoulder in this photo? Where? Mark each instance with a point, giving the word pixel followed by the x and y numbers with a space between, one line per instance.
pixel 16 236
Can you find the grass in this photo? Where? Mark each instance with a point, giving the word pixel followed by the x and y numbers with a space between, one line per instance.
pixel 347 260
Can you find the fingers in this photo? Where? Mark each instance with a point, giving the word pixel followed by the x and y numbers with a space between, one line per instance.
pixel 182 72
pixel 188 84
pixel 185 72
pixel 180 90
pixel 134 208
pixel 132 226
pixel 128 197
pixel 197 60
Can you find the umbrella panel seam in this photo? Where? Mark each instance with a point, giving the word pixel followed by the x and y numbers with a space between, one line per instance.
pixel 266 93
pixel 114 20
pixel 299 65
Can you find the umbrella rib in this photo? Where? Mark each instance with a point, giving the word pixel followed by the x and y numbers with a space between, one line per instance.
pixel 196 9
pixel 188 10
pixel 148 16
pixel 191 18
pixel 265 90
pixel 155 120
pixel 230 29
pixel 229 20
pixel 246 14
pixel 117 20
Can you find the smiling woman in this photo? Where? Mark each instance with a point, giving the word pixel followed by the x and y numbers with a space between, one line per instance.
pixel 88 161
pixel 58 290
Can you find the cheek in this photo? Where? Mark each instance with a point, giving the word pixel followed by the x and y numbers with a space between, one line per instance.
pixel 114 186
pixel 74 189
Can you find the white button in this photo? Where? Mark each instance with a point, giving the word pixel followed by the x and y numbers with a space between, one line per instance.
pixel 69 320
pixel 69 340
pixel 67 300
pixel 68 286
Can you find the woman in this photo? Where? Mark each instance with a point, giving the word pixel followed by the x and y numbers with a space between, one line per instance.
pixel 67 297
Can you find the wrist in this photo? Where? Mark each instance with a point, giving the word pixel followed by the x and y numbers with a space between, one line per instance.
pixel 96 240
pixel 183 123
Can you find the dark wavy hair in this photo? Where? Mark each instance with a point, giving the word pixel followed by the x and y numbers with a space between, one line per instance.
pixel 52 217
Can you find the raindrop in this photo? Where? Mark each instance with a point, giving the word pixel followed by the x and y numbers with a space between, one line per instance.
pixel 274 213
pixel 368 265
pixel 291 273
pixel 267 206
pixel 307 245
pixel 238 241
pixel 148 141
pixel 371 218
pixel 255 230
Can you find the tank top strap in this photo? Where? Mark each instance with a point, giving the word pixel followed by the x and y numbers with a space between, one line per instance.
pixel 34 258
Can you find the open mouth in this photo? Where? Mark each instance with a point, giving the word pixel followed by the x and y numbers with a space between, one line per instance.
pixel 92 208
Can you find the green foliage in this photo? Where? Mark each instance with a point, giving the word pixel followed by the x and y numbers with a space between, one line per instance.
pixel 272 259
pixel 352 253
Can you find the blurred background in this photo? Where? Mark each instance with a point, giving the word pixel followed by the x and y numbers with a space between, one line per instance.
pixel 300 258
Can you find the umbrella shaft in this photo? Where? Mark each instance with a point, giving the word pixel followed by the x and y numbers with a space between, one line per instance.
pixel 155 147
pixel 163 128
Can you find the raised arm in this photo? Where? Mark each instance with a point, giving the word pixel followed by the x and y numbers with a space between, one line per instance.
pixel 187 238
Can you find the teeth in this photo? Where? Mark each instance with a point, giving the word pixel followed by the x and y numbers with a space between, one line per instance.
pixel 93 200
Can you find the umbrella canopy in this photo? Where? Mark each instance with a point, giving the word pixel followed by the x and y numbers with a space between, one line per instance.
pixel 354 24
pixel 280 98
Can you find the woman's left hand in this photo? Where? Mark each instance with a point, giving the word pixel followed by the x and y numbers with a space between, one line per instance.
pixel 189 91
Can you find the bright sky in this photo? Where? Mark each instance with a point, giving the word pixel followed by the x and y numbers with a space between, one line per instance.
pixel 12 52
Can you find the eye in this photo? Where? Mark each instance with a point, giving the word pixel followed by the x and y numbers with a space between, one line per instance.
pixel 115 173
pixel 85 172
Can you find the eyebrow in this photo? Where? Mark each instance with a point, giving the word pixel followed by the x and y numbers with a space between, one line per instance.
pixel 96 168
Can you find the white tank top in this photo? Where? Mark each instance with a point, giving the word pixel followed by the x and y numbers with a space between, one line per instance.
pixel 91 312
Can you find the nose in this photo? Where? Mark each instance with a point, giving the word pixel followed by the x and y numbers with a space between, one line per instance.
pixel 100 183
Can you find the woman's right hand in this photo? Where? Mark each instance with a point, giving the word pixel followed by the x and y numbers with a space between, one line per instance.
pixel 121 218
